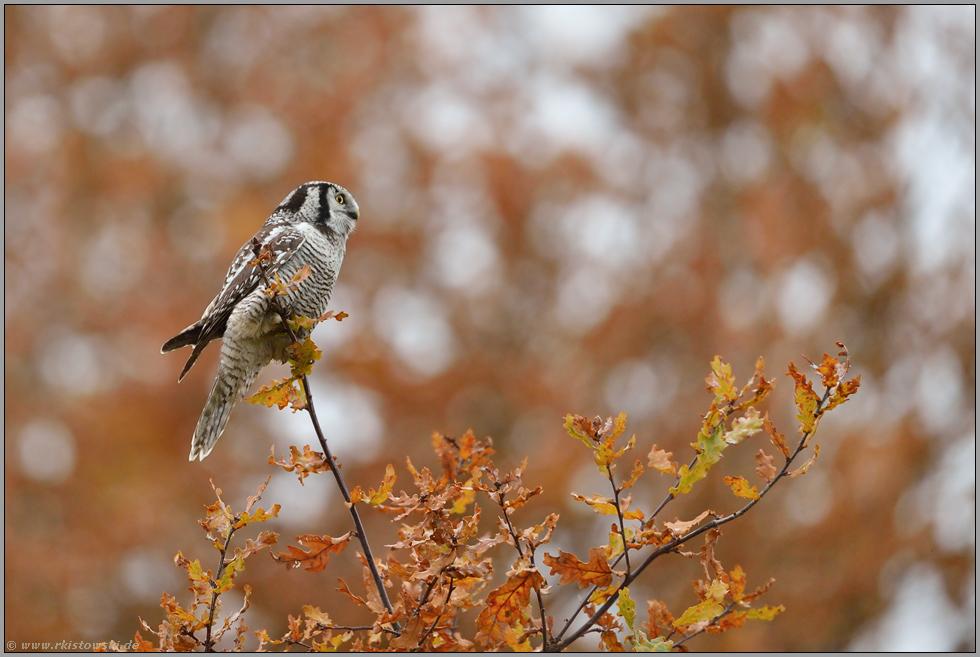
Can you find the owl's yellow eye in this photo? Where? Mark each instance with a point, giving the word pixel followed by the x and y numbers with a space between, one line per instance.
pixel 340 199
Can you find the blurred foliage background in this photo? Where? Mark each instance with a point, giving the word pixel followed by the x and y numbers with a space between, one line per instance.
pixel 563 210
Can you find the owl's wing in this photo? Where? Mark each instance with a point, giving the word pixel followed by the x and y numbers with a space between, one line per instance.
pixel 242 278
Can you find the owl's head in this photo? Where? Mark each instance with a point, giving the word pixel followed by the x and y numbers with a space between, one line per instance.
pixel 329 207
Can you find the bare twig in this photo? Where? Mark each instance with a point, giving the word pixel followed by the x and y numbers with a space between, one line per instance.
pixel 537 593
pixel 425 597
pixel 294 642
pixel 622 523
pixel 353 628
pixel 217 578
pixel 425 636
pixel 355 516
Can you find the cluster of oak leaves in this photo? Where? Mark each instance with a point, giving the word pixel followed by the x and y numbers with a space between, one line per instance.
pixel 440 566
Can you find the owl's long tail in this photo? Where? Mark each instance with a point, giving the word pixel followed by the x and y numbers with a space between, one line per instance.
pixel 233 379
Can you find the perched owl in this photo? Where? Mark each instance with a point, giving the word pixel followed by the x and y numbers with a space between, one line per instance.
pixel 310 227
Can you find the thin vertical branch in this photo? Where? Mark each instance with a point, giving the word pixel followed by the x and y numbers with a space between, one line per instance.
pixel 622 522
pixel 352 508
pixel 537 593
pixel 217 578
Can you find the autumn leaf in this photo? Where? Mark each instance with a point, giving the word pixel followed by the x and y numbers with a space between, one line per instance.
pixel 320 549
pixel 827 369
pixel 777 438
pixel 660 460
pixel 232 568
pixel 280 393
pixel 656 644
pixel 764 467
pixel 580 428
pixel 279 288
pixel 594 573
pixel 627 608
pixel 610 642
pixel 762 388
pixel 806 466
pixel 741 488
pixel 744 427
pixel 600 438
pixel 806 401
pixel 712 567
pixel 317 616
pixel 505 606
pixel 705 610
pixel 710 445
pixel 193 568
pixel 736 584
pixel 346 591
pixel 721 382
pixel 303 464
pixel 637 471
pixel 259 516
pixel 766 613
pixel 758 592
pixel 679 527
pixel 599 504
pixel 843 391
pixel 302 357
pixel 374 498
pixel 658 616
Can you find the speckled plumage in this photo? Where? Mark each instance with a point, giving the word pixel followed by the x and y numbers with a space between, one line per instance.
pixel 310 227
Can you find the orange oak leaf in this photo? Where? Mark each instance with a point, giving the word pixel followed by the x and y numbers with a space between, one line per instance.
pixel 375 497
pixel 594 573
pixel 320 549
pixel 741 488
pixel 346 591
pixel 505 606
pixel 736 583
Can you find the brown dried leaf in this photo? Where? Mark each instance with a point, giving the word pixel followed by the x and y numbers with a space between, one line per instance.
pixel 305 464
pixel 658 617
pixel 764 467
pixel 712 567
pixel 320 549
pixel 679 527
pixel 506 605
pixel 660 460
pixel 594 573
pixel 264 540
pixel 777 438
pixel 346 591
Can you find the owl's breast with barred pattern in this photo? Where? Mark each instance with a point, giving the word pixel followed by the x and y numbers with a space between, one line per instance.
pixel 311 297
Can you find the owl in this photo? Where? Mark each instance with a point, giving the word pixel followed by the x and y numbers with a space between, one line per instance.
pixel 310 227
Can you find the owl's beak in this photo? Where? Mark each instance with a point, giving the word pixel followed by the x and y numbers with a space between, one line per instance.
pixel 354 214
